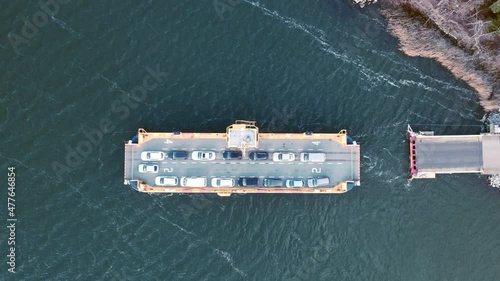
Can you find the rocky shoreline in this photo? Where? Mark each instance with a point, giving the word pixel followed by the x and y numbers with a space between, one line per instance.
pixel 457 34
pixel 363 3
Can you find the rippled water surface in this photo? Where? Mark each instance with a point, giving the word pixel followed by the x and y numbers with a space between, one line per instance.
pixel 290 65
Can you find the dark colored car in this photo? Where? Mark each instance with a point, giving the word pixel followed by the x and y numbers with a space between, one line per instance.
pixel 248 181
pixel 258 155
pixel 176 155
pixel 232 155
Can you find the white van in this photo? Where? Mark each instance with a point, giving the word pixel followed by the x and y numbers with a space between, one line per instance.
pixel 312 157
pixel 194 182
pixel 315 182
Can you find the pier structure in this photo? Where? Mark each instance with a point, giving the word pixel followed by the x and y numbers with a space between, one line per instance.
pixel 341 163
pixel 449 154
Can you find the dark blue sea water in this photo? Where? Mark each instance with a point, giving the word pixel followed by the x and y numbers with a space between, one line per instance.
pixel 290 65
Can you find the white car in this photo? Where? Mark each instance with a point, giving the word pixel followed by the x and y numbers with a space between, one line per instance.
pixel 144 168
pixel 222 182
pixel 203 155
pixel 167 181
pixel 283 156
pixel 152 155
pixel 294 183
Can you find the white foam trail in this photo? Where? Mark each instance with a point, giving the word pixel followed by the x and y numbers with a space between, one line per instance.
pixel 114 86
pixel 320 36
pixel 229 259
pixel 495 181
pixel 64 26
pixel 421 116
pixel 399 161
pixel 178 226
pixel 370 163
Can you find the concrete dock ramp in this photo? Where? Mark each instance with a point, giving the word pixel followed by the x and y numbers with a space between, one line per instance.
pixel 449 154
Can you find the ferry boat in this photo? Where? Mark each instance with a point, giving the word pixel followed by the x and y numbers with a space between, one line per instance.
pixel 242 160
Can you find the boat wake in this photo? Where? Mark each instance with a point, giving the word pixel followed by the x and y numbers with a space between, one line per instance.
pixel 369 75
pixel 495 181
pixel 229 259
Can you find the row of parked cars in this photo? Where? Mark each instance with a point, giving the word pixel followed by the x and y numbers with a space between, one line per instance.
pixel 243 182
pixel 232 155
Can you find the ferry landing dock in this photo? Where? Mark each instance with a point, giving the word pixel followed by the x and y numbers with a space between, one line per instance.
pixel 449 154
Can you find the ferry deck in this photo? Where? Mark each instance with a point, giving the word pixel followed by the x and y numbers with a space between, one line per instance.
pixel 341 166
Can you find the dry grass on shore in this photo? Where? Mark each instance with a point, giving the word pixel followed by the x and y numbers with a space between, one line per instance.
pixel 456 33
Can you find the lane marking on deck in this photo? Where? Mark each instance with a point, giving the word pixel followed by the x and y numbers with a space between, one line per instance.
pixel 329 163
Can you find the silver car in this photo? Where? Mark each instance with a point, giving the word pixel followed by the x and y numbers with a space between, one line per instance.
pixel 145 168
pixel 222 182
pixel 273 182
pixel 152 155
pixel 294 183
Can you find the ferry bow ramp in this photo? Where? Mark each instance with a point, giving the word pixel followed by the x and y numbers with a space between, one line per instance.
pixel 242 160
